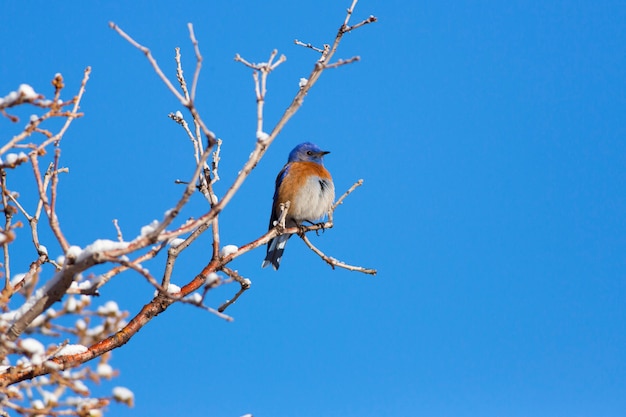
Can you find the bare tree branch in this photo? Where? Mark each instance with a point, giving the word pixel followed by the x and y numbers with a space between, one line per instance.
pixel 171 232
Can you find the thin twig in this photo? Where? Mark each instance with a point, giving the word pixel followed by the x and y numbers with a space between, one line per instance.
pixel 52 220
pixel 104 278
pixel 120 237
pixel 347 193
pixel 187 103
pixel 150 58
pixel 308 45
pixel 52 214
pixel 334 262
pixel 161 303
pixel 244 286
pixel 179 74
pixel 341 62
pixel 260 84
pixel 196 73
pixel 73 114
pixel 370 19
pixel 215 165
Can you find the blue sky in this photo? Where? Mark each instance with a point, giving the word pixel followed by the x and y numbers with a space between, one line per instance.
pixel 491 138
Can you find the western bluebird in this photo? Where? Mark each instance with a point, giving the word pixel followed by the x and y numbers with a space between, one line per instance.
pixel 308 186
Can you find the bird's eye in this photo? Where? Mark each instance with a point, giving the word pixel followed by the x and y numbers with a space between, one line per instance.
pixel 309 153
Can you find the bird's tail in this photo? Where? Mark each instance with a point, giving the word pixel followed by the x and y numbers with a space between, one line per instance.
pixel 275 249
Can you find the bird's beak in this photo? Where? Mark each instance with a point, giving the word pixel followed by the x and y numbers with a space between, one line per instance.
pixel 324 153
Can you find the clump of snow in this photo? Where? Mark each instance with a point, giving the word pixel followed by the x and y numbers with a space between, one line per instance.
pixel 11 158
pixel 149 228
pixel 303 82
pixel 49 398
pixel 73 252
pixel 24 92
pixel 10 98
pixel 101 245
pixel 79 386
pixel 42 249
pixel 71 350
pixel 211 278
pixel 38 405
pixel 228 250
pixel 84 285
pixel 32 346
pixel 27 92
pixel 173 288
pixel 175 242
pixel 37 322
pixel 81 324
pixel 262 136
pixel 195 298
pixel 123 395
pixel 179 114
pixel 53 366
pixel 95 331
pixel 104 370
pixel 71 304
pixel 17 278
pixel 109 308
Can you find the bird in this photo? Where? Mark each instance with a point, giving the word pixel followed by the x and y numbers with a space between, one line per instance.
pixel 309 188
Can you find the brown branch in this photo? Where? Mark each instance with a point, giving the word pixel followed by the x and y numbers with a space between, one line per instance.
pixel 47 295
pixel 161 302
pixel 155 307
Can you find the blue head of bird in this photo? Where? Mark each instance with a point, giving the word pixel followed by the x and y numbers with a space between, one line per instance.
pixel 307 152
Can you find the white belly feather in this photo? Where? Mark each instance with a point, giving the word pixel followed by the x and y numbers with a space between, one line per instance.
pixel 313 201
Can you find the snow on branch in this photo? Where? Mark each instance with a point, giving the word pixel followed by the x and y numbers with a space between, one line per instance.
pixel 56 293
